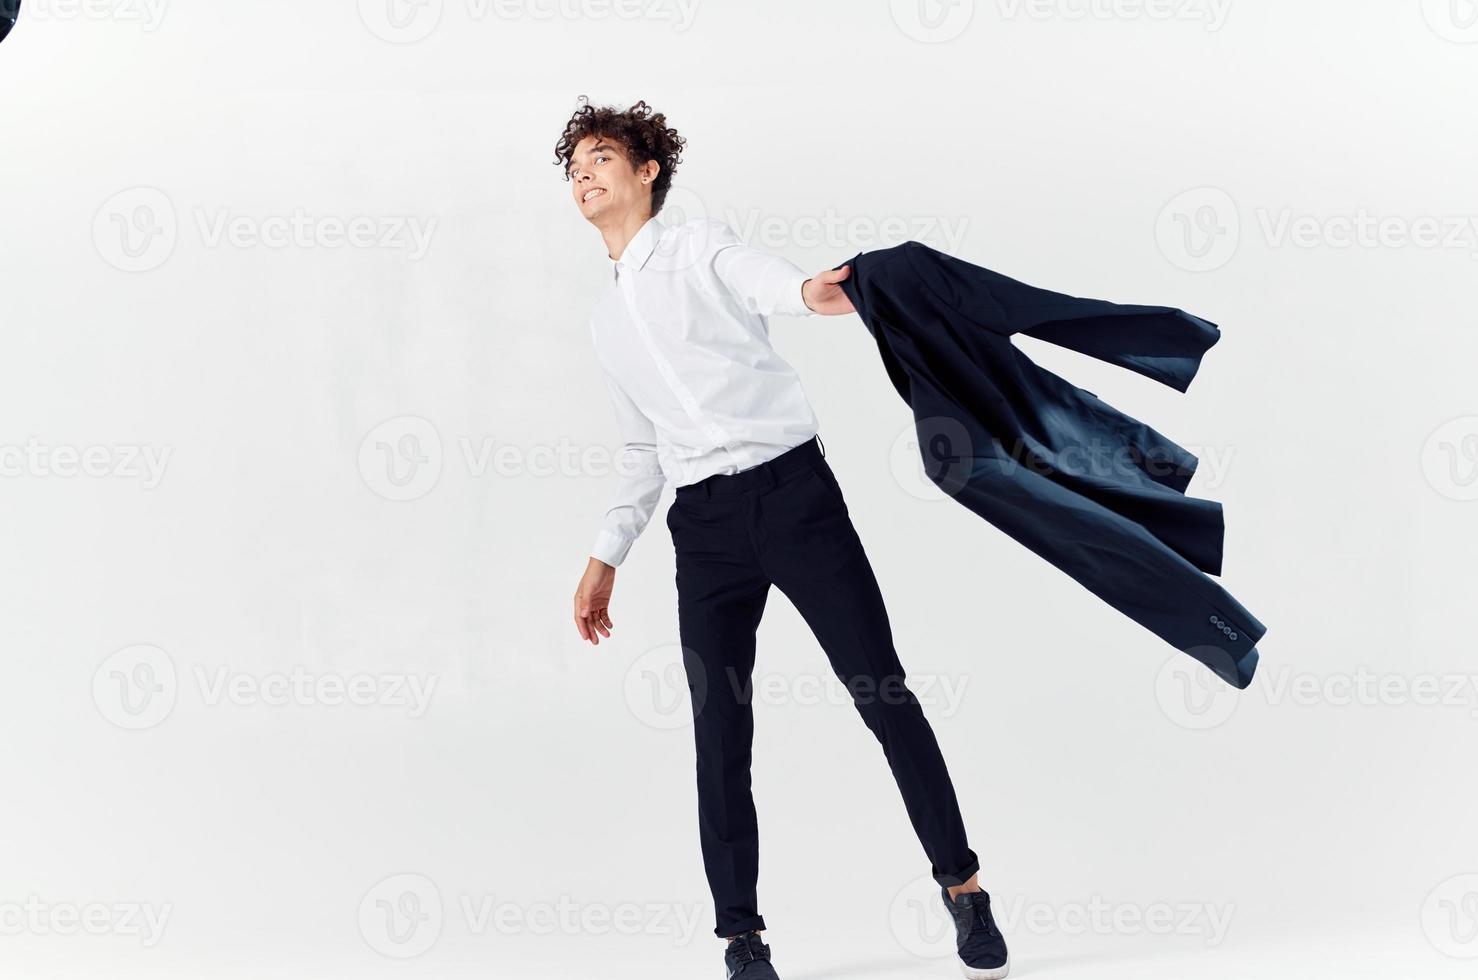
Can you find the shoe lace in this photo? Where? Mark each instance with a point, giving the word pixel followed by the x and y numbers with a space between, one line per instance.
pixel 982 912
pixel 748 948
pixel 977 915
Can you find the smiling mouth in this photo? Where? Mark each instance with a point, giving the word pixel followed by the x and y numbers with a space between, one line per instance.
pixel 592 194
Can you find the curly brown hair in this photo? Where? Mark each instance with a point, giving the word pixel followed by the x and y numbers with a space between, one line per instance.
pixel 640 131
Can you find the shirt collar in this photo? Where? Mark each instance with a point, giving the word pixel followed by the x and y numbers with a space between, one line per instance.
pixel 640 248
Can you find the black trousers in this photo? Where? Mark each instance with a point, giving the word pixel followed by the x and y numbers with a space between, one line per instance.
pixel 784 523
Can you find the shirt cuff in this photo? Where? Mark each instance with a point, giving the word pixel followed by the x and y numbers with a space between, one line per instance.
pixel 611 548
pixel 792 302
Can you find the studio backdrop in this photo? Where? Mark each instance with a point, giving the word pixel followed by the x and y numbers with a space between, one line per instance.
pixel 303 444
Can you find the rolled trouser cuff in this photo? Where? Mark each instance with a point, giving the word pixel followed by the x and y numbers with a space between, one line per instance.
pixel 958 876
pixel 725 930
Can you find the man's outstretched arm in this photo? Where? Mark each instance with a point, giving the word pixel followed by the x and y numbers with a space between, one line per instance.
pixel 769 284
pixel 638 488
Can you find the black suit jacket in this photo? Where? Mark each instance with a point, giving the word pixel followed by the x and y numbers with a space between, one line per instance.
pixel 1095 492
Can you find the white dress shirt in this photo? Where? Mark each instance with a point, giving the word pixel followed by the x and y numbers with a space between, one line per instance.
pixel 684 344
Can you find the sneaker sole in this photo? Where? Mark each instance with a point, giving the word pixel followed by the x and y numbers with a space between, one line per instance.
pixel 976 973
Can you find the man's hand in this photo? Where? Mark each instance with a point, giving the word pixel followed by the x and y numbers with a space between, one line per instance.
pixel 593 601
pixel 824 296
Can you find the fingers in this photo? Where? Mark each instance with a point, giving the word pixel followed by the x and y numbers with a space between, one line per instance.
pixel 592 624
pixel 833 276
pixel 582 619
pixel 581 626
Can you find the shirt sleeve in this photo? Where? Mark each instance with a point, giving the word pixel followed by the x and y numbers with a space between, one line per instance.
pixel 639 480
pixel 766 284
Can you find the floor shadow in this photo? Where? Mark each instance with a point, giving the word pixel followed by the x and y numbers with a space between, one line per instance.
pixel 897 966
pixel 910 966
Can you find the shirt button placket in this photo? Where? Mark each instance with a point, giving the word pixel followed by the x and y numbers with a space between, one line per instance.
pixel 664 367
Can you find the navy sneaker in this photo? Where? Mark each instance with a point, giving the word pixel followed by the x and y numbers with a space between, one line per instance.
pixel 981 947
pixel 749 959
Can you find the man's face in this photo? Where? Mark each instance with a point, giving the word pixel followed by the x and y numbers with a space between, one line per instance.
pixel 603 183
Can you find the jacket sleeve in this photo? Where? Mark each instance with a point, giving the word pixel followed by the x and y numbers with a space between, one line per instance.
pixel 766 284
pixel 639 480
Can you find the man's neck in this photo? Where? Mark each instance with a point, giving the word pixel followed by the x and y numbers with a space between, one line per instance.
pixel 619 233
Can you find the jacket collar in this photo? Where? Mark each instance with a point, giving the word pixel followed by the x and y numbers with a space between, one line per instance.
pixel 640 248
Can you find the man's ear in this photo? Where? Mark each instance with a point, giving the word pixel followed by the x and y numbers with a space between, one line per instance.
pixel 648 171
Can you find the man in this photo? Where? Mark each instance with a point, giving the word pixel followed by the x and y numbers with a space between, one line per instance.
pixel 703 400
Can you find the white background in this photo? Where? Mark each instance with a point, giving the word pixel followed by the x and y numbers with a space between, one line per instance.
pixel 1222 159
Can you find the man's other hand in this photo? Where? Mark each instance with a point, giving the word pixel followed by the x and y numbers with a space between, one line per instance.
pixel 593 601
pixel 822 294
